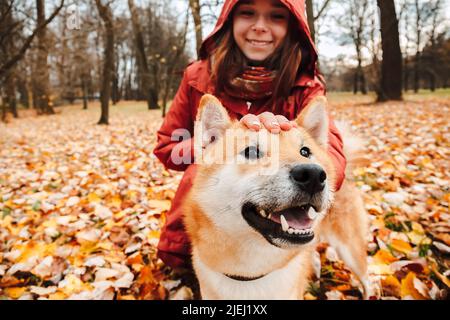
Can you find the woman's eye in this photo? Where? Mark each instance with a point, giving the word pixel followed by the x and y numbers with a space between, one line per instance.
pixel 305 152
pixel 252 153
pixel 246 13
pixel 277 16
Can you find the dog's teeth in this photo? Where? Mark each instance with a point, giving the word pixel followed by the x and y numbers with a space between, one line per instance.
pixel 312 214
pixel 291 231
pixel 269 216
pixel 263 213
pixel 284 224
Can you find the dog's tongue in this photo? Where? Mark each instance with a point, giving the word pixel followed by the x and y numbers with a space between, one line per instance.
pixel 297 218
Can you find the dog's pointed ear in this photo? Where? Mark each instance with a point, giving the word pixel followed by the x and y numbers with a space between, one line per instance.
pixel 314 119
pixel 212 120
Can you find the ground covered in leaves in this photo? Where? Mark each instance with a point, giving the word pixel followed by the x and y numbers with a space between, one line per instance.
pixel 82 205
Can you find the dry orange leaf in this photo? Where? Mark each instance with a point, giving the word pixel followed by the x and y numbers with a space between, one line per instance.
pixel 401 246
pixel 15 292
pixel 384 256
pixel 408 289
pixel 391 286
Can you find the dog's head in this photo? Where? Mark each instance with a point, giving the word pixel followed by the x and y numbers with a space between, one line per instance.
pixel 249 183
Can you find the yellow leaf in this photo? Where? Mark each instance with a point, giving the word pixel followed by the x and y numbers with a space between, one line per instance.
pixel 401 246
pixel 74 285
pixel 416 238
pixel 93 197
pixel 417 227
pixel 57 296
pixel 50 223
pixel 384 256
pixel 408 289
pixel 163 205
pixel 128 165
pixel 15 293
pixel 116 201
pixel 154 234
pixel 380 269
pixel 309 296
pixel 391 285
pixel 374 209
pixel 126 297
pixel 105 245
pixel 443 278
pixel 6 222
pixel 32 249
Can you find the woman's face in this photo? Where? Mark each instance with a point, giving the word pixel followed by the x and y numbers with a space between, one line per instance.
pixel 260 27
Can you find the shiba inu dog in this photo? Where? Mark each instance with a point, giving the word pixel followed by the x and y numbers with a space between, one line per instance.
pixel 260 203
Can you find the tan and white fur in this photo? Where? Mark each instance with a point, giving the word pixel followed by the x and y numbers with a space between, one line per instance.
pixel 226 208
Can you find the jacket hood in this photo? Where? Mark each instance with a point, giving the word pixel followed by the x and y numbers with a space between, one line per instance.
pixel 297 9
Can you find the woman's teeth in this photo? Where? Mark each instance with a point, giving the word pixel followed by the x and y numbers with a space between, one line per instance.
pixel 259 43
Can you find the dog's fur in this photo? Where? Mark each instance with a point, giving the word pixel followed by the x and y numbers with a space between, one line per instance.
pixel 225 245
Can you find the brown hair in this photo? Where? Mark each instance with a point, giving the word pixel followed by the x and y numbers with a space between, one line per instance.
pixel 229 62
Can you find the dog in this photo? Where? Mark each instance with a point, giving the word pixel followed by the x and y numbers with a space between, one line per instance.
pixel 261 202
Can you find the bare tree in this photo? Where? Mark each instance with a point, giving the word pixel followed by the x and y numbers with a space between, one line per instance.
pixel 142 57
pixel 6 31
pixel 390 87
pixel 41 81
pixel 312 17
pixel 105 13
pixel 177 50
pixel 196 15
pixel 436 9
pixel 354 25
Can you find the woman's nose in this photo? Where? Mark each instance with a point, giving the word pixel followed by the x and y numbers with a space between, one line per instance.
pixel 260 25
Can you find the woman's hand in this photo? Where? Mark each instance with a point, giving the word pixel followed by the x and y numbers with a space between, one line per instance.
pixel 273 123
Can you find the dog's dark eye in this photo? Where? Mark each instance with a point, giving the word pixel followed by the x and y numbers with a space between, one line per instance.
pixel 305 152
pixel 252 153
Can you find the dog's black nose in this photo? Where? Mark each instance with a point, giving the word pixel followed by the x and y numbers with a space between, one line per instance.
pixel 309 177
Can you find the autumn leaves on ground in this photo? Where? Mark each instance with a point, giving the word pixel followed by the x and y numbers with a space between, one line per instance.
pixel 82 205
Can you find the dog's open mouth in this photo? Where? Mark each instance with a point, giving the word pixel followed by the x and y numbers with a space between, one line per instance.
pixel 292 225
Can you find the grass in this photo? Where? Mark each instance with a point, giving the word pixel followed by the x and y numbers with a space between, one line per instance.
pixel 422 95
pixel 127 107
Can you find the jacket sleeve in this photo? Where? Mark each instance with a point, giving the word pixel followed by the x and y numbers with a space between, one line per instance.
pixel 335 143
pixel 175 145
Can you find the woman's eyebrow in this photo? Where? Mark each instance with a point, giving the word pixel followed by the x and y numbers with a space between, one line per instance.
pixel 277 4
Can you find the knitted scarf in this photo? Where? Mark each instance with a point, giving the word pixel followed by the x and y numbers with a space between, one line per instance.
pixel 253 84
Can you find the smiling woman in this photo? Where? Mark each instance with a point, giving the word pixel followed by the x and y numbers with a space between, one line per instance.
pixel 260 27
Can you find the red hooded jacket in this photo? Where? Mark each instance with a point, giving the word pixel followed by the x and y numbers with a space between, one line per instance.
pixel 174 246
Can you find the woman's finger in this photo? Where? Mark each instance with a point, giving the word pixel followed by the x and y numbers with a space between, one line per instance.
pixel 284 122
pixel 251 121
pixel 270 122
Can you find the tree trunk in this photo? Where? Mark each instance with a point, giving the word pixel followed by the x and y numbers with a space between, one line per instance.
pixel 141 56
pixel 416 72
pixel 10 91
pixel 310 15
pixel 108 60
pixel 391 68
pixel 363 82
pixel 406 75
pixel 85 93
pixel 195 10
pixel 42 81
